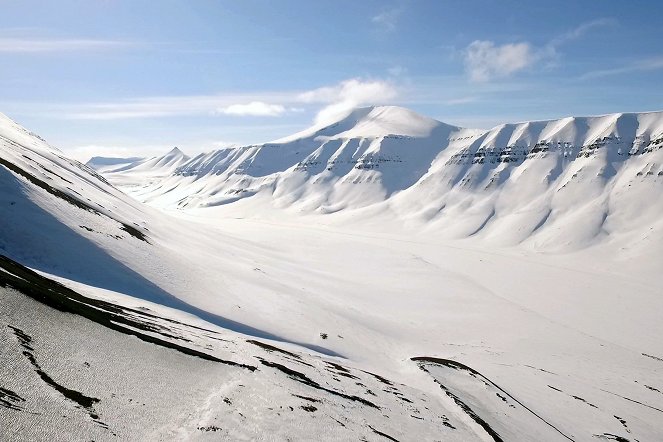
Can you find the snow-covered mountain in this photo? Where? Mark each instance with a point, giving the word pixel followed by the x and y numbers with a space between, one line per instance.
pixel 104 164
pixel 553 184
pixel 129 172
pixel 260 314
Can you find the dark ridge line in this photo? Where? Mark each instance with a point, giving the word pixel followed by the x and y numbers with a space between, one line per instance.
pixel 383 434
pixel 632 400
pixel 51 172
pixel 42 185
pixel 145 313
pixel 623 422
pixel 652 357
pixel 9 399
pixel 344 374
pixel 271 348
pixel 613 437
pixel 467 410
pixel 649 387
pixel 540 369
pixel 155 328
pixel 578 398
pixel 68 198
pixel 306 398
pixel 134 232
pixel 302 378
pixel 87 402
pixel 337 366
pixel 59 297
pixel 379 378
pixel 459 366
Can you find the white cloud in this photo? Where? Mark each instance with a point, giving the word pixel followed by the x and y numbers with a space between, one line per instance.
pixel 254 109
pixel 167 106
pixel 387 19
pixel 22 45
pixel 484 60
pixel 347 95
pixel 337 99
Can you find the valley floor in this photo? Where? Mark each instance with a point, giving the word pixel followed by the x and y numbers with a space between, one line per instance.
pixel 512 344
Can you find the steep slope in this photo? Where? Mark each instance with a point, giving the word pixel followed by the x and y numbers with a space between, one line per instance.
pixel 47 196
pixel 85 270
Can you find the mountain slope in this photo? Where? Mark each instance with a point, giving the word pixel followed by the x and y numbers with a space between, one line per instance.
pixel 80 280
pixel 570 182
pixel 141 170
pixel 319 167
pixel 559 184
pixel 104 164
pixel 246 322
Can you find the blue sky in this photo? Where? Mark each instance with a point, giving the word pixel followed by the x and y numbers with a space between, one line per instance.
pixel 116 77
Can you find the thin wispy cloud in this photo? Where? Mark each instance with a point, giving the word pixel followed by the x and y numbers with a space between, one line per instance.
pixel 461 100
pixel 581 30
pixel 170 106
pixel 649 64
pixel 254 109
pixel 30 45
pixel 387 19
pixel 485 60
pixel 326 103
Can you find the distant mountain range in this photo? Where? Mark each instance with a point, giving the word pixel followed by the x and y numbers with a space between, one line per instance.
pixel 555 184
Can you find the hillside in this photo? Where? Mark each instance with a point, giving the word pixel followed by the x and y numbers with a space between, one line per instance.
pixel 560 184
pixel 267 316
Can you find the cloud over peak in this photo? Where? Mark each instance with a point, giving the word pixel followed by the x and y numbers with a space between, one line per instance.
pixel 347 95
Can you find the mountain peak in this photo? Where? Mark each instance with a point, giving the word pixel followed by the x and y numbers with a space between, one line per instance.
pixel 175 151
pixel 376 121
pixel 372 122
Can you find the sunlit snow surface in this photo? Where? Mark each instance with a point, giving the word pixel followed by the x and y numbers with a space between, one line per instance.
pixel 282 291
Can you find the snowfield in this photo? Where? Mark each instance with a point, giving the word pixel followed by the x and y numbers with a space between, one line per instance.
pixel 387 277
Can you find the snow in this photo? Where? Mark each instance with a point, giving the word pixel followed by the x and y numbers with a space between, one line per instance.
pixel 139 171
pixel 563 184
pixel 103 164
pixel 542 274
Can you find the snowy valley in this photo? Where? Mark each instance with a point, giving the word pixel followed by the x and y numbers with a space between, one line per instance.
pixel 385 277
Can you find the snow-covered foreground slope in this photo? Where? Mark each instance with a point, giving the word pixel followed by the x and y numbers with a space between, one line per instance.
pixel 239 321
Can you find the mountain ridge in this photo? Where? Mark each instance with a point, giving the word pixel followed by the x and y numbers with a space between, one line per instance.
pixel 517 182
